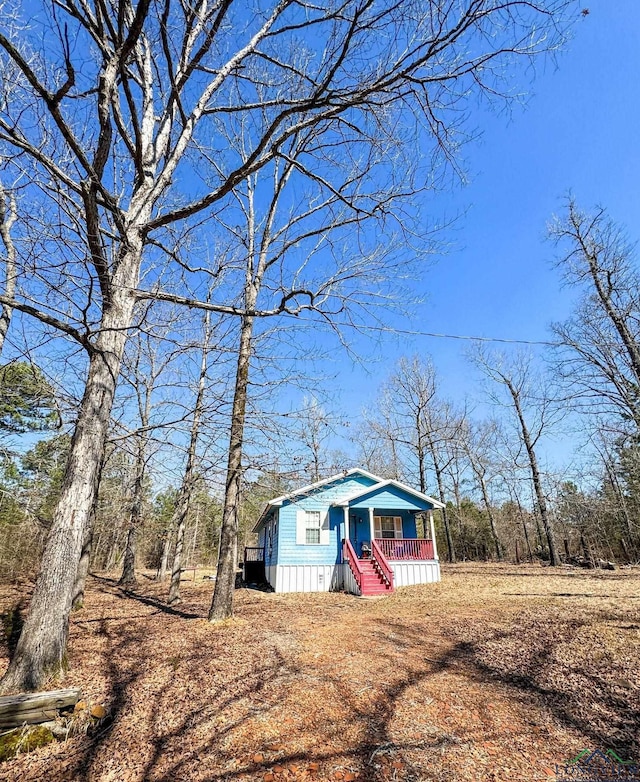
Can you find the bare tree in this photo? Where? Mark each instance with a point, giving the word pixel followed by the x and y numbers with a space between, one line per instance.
pixel 8 216
pixel 535 410
pixel 183 501
pixel 600 343
pixel 479 443
pixel 421 427
pixel 143 368
pixel 111 128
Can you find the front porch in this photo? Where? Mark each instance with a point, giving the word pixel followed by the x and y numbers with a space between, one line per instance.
pixel 388 547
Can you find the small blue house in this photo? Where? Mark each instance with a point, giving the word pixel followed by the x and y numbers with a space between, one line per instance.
pixel 353 531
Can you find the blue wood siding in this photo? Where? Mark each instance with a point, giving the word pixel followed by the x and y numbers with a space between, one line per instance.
pixel 390 501
pixel 391 498
pixel 292 553
pixel 268 538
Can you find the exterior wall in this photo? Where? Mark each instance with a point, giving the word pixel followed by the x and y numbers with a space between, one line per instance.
pixel 291 553
pixel 271 535
pixel 305 578
pixel 391 498
pixel 417 572
pixel 268 539
pixel 331 578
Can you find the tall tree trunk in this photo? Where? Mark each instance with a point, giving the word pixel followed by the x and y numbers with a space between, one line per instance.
pixel 179 519
pixel 164 559
pixel 128 577
pixel 451 553
pixel 222 603
pixel 535 476
pixel 7 220
pixel 492 520
pixel 525 530
pixel 83 565
pixel 41 649
pixel 176 570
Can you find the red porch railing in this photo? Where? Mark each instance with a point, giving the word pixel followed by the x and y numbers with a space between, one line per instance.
pixel 405 548
pixel 349 555
pixel 381 562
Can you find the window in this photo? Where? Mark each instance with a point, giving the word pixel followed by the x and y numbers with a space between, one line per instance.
pixel 312 527
pixel 387 526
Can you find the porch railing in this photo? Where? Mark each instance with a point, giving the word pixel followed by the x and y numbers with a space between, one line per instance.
pixel 405 548
pixel 254 554
pixel 349 555
pixel 381 562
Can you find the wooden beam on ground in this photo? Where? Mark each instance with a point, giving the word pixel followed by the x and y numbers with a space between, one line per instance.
pixel 35 707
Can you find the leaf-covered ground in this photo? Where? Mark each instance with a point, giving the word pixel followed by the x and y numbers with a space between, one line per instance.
pixel 497 673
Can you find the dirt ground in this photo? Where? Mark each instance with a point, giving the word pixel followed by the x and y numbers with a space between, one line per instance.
pixel 496 673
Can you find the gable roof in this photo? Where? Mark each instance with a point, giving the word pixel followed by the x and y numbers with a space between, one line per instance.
pixel 380 483
pixel 318 484
pixel 277 501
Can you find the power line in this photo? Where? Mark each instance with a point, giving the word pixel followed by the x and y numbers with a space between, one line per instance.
pixel 436 335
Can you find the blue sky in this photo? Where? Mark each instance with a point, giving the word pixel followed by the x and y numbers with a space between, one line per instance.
pixel 579 132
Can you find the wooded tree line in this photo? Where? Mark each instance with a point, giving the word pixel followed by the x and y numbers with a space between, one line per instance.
pixel 180 182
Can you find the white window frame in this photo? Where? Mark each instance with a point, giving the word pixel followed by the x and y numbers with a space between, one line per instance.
pixel 397 527
pixel 312 522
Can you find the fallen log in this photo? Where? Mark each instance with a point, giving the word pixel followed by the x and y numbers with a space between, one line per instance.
pixel 35 707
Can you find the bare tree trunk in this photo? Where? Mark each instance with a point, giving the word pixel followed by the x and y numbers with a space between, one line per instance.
pixel 222 604
pixel 179 519
pixel 128 577
pixel 7 220
pixel 41 650
pixel 492 520
pixel 83 565
pixel 166 548
pixel 176 570
pixel 525 530
pixel 451 553
pixel 535 475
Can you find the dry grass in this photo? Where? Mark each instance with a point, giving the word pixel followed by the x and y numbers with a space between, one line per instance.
pixel 497 673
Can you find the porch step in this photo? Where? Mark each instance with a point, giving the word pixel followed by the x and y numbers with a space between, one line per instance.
pixel 372 582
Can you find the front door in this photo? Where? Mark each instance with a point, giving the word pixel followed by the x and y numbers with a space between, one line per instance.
pixel 359 531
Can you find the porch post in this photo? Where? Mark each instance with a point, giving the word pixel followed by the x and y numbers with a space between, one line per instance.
pixel 345 511
pixel 433 535
pixel 371 526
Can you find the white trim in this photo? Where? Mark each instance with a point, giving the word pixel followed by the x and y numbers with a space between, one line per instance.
pixel 362 492
pixel 433 535
pixel 372 525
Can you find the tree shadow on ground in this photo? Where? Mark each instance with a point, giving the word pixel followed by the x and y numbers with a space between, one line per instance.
pixel 580 698
pixel 154 602
pixel 191 701
pixel 182 730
